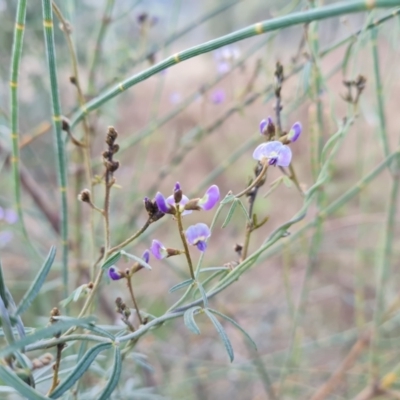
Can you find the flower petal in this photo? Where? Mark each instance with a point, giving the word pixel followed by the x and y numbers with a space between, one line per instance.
pixel 295 131
pixel 114 273
pixel 263 125
pixel 210 199
pixel 158 250
pixel 146 256
pixel 196 233
pixel 161 203
pixel 258 153
pixel 170 200
pixel 201 245
pixel 285 156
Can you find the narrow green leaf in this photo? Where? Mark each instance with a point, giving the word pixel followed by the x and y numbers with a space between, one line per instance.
pixel 135 258
pixel 235 324
pixel 112 260
pixel 221 331
pixel 212 269
pixel 34 289
pixel 203 294
pixel 3 287
pixel 11 379
pixel 228 198
pixel 6 323
pixel 83 365
pixel 15 320
pixel 244 210
pixel 230 213
pixel 115 375
pixel 45 333
pixel 188 319
pixel 181 285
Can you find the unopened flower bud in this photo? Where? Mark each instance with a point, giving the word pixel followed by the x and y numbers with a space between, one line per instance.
pixel 84 196
pixel 177 193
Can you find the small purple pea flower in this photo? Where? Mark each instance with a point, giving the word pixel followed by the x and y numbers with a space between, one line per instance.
pixel 197 235
pixel 210 199
pixel 295 132
pixel 146 256
pixel 276 152
pixel 267 126
pixel 218 96
pixel 115 274
pixel 158 250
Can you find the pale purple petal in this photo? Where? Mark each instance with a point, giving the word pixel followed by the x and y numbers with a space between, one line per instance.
pixel 177 186
pixel 210 199
pixel 285 156
pixel 170 200
pixel 114 274
pixel 223 67
pixel 259 152
pixel 295 131
pixel 161 203
pixel 218 96
pixel 158 250
pixel 263 126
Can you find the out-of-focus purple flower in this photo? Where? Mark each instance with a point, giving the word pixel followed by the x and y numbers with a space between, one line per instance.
pixel 267 126
pixel 295 132
pixel 210 199
pixel 218 96
pixel 10 216
pixel 5 238
pixel 175 98
pixel 197 235
pixel 223 67
pixel 114 273
pixel 158 250
pixel 146 256
pixel 224 58
pixel 276 152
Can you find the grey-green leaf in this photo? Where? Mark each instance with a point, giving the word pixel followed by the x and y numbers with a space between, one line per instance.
pixel 115 375
pixel 181 285
pixel 83 365
pixel 233 322
pixel 188 319
pixel 45 333
pixel 221 331
pixel 6 323
pixel 244 210
pixel 135 258
pixel 203 294
pixel 11 379
pixel 111 260
pixel 34 289
pixel 3 287
pixel 230 213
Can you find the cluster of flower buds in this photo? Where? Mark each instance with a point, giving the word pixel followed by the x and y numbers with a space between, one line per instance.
pixel 178 202
pixel 108 161
pixel 276 152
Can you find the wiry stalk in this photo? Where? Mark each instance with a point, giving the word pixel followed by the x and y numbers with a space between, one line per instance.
pixel 59 144
pixel 15 62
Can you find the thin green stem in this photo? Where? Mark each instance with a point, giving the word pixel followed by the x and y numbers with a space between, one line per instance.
pixel 184 242
pixel 59 143
pixel 15 62
pixel 296 18
pixel 129 283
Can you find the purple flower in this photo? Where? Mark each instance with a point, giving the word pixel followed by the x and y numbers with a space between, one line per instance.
pixel 114 273
pixel 146 256
pixel 276 152
pixel 10 216
pixel 158 250
pixel 167 205
pixel 267 126
pixel 208 201
pixel 223 67
pixel 218 96
pixel 295 132
pixel 197 235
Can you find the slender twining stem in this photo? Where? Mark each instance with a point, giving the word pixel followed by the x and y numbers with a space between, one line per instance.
pixel 16 57
pixel 256 181
pixel 56 368
pixel 249 225
pixel 184 242
pixel 60 151
pixel 129 283
pixel 263 27
pixel 131 238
